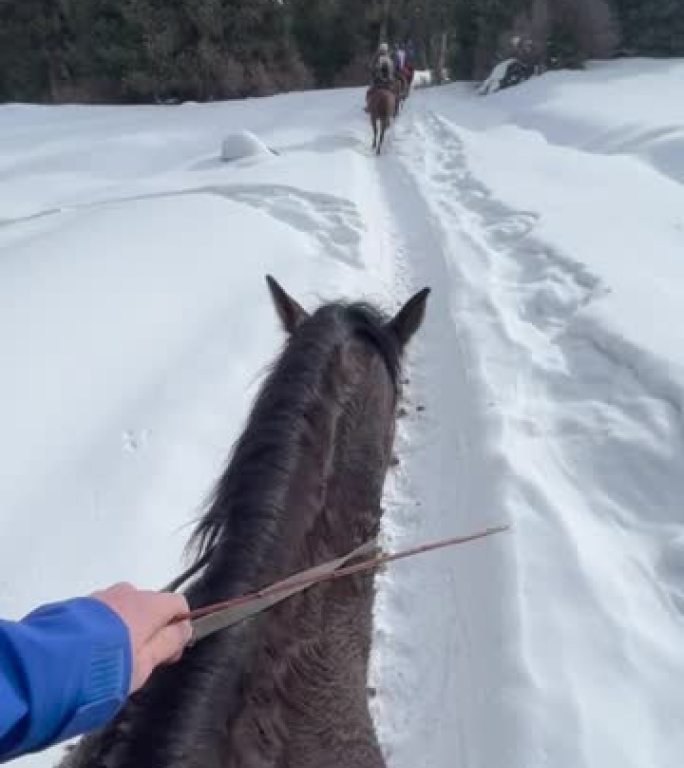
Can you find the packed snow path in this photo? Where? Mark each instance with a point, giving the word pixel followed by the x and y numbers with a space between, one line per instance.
pixel 545 389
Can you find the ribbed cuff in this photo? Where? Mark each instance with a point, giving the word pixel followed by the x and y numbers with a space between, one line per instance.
pixel 106 680
pixel 107 677
pixel 70 667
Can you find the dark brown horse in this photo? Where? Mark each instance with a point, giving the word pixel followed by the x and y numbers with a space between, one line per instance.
pixel 286 689
pixel 382 108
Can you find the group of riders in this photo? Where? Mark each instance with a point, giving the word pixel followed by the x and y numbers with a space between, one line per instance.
pixel 392 69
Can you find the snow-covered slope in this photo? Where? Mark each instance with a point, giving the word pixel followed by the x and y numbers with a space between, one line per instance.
pixel 546 388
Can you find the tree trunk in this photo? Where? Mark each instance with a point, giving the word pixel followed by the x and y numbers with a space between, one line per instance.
pixel 385 21
pixel 441 61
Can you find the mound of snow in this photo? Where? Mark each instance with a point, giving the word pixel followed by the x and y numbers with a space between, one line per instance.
pixel 495 81
pixel 243 144
pixel 422 78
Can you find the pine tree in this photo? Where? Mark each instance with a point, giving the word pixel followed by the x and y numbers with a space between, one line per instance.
pixel 330 34
pixel 147 50
pixel 652 27
pixel 32 50
pixel 104 47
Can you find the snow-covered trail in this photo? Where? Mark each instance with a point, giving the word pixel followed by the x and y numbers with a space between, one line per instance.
pixel 545 389
pixel 569 633
pixel 443 623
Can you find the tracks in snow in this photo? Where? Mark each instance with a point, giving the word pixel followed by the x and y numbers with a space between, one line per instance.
pixel 448 613
pixel 525 409
pixel 333 221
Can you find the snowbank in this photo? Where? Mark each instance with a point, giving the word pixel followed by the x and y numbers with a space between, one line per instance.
pixel 422 78
pixel 135 321
pixel 243 144
pixel 495 80
pixel 565 239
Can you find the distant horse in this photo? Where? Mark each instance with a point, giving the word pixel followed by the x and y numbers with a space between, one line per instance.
pixel 382 106
pixel 287 689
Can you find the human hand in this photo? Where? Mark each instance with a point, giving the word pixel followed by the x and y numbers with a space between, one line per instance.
pixel 147 614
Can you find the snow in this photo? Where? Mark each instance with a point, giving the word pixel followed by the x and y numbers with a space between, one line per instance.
pixel 493 83
pixel 238 146
pixel 422 78
pixel 546 387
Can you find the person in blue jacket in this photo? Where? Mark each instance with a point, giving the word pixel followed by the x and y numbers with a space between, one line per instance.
pixel 68 667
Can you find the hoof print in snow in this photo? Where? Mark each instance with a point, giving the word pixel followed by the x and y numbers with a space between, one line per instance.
pixel 402 413
pixel 133 442
pixel 394 461
pixel 420 408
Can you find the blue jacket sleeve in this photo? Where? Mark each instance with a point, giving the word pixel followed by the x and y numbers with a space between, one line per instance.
pixel 64 669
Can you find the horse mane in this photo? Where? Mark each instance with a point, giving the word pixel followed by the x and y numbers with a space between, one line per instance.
pixel 242 511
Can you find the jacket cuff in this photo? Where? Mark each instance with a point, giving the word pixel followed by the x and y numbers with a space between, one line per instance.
pixel 107 677
pixel 75 661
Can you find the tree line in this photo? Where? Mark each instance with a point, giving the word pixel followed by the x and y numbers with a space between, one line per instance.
pixel 155 50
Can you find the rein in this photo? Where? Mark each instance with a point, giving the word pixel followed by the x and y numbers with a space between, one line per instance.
pixel 213 618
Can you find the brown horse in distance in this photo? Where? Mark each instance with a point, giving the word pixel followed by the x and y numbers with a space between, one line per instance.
pixel 382 106
pixel 287 689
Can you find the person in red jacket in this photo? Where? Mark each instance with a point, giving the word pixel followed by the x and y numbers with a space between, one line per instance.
pixel 68 667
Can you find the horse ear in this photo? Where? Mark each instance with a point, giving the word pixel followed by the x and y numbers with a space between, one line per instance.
pixel 409 318
pixel 290 313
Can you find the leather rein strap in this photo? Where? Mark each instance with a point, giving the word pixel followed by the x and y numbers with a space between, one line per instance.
pixel 213 618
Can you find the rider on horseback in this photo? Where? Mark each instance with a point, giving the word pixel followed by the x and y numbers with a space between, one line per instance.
pixel 382 71
pixel 403 63
pixel 400 58
pixel 382 66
